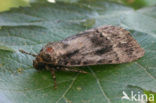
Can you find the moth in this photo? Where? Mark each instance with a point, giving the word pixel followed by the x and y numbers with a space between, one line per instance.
pixel 101 45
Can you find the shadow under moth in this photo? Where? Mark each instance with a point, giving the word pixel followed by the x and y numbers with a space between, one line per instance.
pixel 101 45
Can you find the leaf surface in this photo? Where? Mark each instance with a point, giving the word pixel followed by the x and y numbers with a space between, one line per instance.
pixel 30 28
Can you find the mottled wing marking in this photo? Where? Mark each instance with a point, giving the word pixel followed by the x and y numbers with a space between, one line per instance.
pixel 103 45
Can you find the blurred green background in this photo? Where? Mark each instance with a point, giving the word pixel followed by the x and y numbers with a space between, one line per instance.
pixel 136 4
pixel 6 4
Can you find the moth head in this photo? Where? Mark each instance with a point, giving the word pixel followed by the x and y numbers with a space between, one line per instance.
pixel 38 63
pixel 46 57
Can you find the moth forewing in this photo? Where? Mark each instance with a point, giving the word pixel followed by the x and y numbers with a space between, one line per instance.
pixel 102 45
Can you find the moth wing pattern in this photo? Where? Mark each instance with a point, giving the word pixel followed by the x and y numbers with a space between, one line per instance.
pixel 102 45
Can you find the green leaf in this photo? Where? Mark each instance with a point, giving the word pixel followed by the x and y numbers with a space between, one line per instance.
pixel 31 28
pixel 150 96
pixel 5 48
pixel 12 3
pixel 139 3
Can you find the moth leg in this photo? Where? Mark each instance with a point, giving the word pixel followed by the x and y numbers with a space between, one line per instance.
pixel 71 70
pixel 53 75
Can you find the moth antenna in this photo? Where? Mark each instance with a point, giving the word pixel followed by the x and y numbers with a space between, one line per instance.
pixel 24 52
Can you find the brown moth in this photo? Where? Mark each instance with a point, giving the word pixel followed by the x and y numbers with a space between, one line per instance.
pixel 102 45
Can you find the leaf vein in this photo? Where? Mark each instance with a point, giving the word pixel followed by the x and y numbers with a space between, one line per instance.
pixel 99 84
pixel 145 69
pixel 66 91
